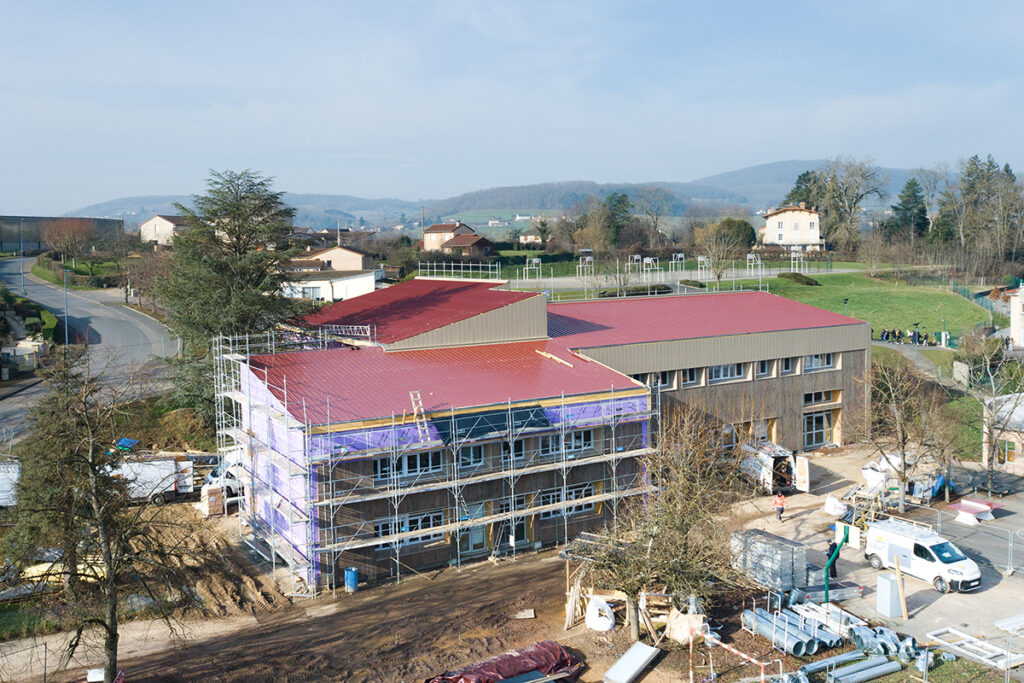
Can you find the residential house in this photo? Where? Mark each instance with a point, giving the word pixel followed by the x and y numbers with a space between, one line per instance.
pixel 792 226
pixel 331 285
pixel 436 235
pixel 473 246
pixel 530 236
pixel 343 258
pixel 161 229
pixel 438 420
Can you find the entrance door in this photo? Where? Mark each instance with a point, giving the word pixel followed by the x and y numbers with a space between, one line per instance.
pixel 476 537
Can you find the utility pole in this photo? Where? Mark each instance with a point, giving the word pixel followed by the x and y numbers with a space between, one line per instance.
pixel 423 217
pixel 65 313
pixel 339 232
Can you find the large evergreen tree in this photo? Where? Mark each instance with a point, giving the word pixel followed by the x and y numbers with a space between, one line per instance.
pixel 910 215
pixel 807 189
pixel 226 276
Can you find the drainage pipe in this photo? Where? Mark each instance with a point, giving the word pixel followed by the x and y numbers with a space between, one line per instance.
pixel 779 637
pixel 814 629
pixel 872 674
pixel 871 663
pixel 780 622
pixel 823 664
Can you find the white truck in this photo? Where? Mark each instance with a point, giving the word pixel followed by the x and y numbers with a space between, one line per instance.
pixel 226 476
pixel 922 554
pixel 775 469
pixel 156 479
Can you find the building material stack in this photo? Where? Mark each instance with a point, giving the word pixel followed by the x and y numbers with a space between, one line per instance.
pixel 771 560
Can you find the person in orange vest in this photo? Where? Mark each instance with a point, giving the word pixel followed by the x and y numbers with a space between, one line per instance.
pixel 780 505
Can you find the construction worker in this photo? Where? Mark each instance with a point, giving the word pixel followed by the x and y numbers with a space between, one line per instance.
pixel 780 505
pixel 832 547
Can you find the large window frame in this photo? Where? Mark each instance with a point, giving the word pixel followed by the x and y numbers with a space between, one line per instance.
pixel 471 456
pixel 815 397
pixel 787 366
pixel 818 429
pixel 414 521
pixel 690 376
pixel 517 453
pixel 577 492
pixel 1006 451
pixel 409 465
pixel 762 369
pixel 579 440
pixel 819 361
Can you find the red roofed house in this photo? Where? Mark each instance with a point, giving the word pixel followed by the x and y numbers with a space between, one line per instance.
pixel 441 420
pixel 468 245
pixel 436 235
pixel 792 226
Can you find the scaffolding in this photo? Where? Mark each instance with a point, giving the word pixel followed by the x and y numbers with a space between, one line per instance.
pixel 439 488
pixel 460 269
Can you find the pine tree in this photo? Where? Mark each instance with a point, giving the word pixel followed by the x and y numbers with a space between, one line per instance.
pixel 910 215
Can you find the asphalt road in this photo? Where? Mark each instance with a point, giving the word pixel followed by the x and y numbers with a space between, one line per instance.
pixel 121 340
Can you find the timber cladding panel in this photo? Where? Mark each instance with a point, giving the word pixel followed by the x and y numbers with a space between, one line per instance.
pixel 694 353
pixel 520 321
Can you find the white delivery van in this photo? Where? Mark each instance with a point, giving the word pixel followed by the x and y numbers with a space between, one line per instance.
pixel 226 476
pixel 157 479
pixel 775 469
pixel 922 554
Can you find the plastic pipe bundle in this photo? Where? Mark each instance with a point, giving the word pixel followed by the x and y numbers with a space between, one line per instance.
pixel 815 629
pixel 779 638
pixel 872 674
pixel 781 622
pixel 823 664
pixel 841 674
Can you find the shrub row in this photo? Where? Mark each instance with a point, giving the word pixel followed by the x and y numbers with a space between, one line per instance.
pixel 636 290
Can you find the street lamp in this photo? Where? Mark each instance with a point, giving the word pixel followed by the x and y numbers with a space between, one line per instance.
pixel 21 255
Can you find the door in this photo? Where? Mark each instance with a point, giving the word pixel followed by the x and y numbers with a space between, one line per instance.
pixel 802 480
pixel 475 538
pixel 923 564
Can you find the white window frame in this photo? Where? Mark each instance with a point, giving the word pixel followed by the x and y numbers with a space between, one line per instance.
pixel 791 370
pixel 552 496
pixel 781 237
pixel 516 454
pixel 548 444
pixel 310 293
pixel 666 379
pixel 825 429
pixel 767 368
pixel 811 226
pixel 579 440
pixel 819 361
pixel 414 521
pixel 471 456
pixel 687 373
pixel 717 373
pixel 408 465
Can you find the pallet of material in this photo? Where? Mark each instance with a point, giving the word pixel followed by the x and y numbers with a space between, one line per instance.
pixel 840 590
pixel 772 561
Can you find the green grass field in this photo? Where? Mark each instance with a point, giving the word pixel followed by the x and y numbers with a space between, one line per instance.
pixel 885 304
pixel 53 278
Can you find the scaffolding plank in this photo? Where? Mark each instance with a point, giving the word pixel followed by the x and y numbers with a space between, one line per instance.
pixel 975 648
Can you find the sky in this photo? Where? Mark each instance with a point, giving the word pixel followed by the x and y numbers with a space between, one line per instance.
pixel 423 100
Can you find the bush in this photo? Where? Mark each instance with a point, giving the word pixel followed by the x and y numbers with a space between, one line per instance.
pixel 800 279
pixel 692 283
pixel 49 329
pixel 636 290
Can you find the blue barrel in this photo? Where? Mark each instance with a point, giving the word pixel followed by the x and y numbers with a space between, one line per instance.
pixel 351 579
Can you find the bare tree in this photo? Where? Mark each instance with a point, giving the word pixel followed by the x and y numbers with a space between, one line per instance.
pixel 848 182
pixel 718 246
pixel 653 203
pixel 68 236
pixel 933 180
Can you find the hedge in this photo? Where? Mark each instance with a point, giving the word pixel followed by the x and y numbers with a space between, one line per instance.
pixel 692 283
pixel 636 290
pixel 800 279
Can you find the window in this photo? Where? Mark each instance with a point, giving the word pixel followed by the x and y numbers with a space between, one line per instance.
pixel 780 229
pixel 666 379
pixel 780 237
pixel 311 293
pixel 579 440
pixel 788 366
pixel 640 377
pixel 520 502
pixel 817 429
pixel 922 552
pixel 721 373
pixel 518 450
pixel 548 444
pixel 410 465
pixel 817 361
pixel 817 397
pixel 572 493
pixel 1006 451
pixel 689 375
pixel 411 522
pixel 796 226
pixel 471 456
pixel 729 436
pixel 811 226
pixel 764 368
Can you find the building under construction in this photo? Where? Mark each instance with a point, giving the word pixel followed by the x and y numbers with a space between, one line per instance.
pixel 439 420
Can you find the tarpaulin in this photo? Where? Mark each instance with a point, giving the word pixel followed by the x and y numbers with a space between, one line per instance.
pixel 546 657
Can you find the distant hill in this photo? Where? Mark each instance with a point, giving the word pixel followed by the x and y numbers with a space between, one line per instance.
pixel 315 210
pixel 755 187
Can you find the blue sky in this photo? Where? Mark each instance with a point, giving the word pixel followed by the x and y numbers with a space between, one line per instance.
pixel 430 99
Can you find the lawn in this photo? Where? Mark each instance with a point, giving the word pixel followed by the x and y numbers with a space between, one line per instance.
pixel 943 359
pixel 958 671
pixel 886 304
pixel 967 412
pixel 55 278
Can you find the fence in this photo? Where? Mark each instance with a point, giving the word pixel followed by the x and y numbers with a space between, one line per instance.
pixel 34 661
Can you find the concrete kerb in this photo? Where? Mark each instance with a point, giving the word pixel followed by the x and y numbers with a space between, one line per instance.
pixel 22 386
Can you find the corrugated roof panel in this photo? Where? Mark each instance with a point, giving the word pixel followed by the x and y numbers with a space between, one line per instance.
pixel 635 321
pixel 368 382
pixel 417 306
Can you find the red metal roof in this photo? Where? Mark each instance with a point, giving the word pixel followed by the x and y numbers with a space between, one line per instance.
pixel 446 227
pixel 417 306
pixel 369 382
pixel 635 321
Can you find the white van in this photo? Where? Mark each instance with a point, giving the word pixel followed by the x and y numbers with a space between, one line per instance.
pixel 922 553
pixel 775 469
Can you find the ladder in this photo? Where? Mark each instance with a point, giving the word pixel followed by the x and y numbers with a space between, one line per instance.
pixel 418 416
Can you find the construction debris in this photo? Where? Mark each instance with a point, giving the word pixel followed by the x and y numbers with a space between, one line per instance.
pixel 546 658
pixel 630 665
pixel 1012 625
pixel 525 614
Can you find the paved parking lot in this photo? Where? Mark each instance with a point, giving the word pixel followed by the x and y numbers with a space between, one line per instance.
pixel 1000 595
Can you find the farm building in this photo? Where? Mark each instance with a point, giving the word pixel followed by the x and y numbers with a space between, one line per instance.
pixel 442 420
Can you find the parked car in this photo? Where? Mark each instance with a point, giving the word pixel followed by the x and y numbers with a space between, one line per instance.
pixel 922 554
